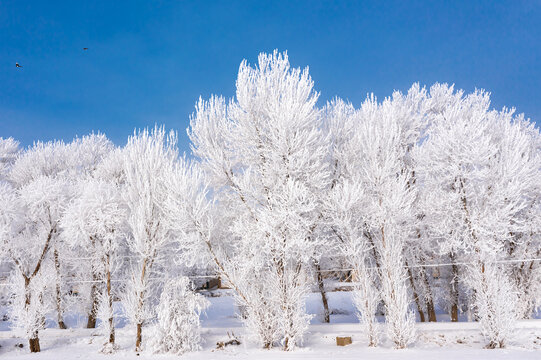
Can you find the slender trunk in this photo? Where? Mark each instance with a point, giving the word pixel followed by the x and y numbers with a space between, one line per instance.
pixel 110 298
pixel 33 342
pixel 454 291
pixel 138 336
pixel 59 310
pixel 26 291
pixel 415 296
pixel 321 286
pixel 91 322
pixel 430 309
pixel 284 290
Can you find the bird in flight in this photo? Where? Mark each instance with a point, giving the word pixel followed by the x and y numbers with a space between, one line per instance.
pixel 17 65
pixel 85 49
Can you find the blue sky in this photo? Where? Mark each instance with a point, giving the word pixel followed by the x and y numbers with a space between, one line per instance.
pixel 149 61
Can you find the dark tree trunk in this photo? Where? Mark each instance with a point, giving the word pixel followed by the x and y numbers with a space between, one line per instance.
pixel 33 343
pixel 454 292
pixel 429 300
pixel 112 333
pixel 138 337
pixel 321 286
pixel 91 323
pixel 431 310
pixel 110 297
pixel 415 296
pixel 61 323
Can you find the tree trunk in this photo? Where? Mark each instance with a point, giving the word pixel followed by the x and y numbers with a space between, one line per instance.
pixel 91 322
pixel 415 296
pixel 428 299
pixel 431 310
pixel 33 343
pixel 138 337
pixel 109 296
pixel 321 286
pixel 61 323
pixel 140 307
pixel 454 292
pixel 112 331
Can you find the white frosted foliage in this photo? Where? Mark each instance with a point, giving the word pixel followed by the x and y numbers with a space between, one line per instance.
pixel 178 327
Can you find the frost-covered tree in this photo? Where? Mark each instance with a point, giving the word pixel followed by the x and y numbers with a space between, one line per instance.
pixel 371 150
pixel 479 173
pixel 84 157
pixel 526 243
pixel 264 152
pixel 48 162
pixel 85 154
pixel 67 164
pixel 44 163
pixel 345 214
pixel 30 216
pixel 9 148
pixel 388 211
pixel 47 159
pixel 178 329
pixel 94 222
pixel 349 227
pixel 191 211
pixel 147 160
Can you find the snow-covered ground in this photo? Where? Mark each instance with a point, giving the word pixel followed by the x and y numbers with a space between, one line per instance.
pixel 441 341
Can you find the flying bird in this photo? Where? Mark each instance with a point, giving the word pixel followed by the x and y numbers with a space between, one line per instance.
pixel 85 49
pixel 17 65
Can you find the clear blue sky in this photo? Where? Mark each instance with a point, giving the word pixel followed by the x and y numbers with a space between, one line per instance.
pixel 149 61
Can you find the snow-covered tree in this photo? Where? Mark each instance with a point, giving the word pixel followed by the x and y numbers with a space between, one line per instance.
pixel 42 159
pixel 526 244
pixel 147 160
pixel 478 170
pixel 9 148
pixel 371 151
pixel 42 164
pixel 48 162
pixel 264 152
pixel 345 214
pixel 85 154
pixel 349 227
pixel 31 217
pixel 84 157
pixel 178 329
pixel 67 164
pixel 94 222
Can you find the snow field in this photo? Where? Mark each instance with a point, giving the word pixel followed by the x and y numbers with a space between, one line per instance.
pixel 442 340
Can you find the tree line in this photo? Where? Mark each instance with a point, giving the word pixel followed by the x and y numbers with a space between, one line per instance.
pixel 429 198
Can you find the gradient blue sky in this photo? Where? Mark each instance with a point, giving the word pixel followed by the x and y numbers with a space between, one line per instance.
pixel 149 61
